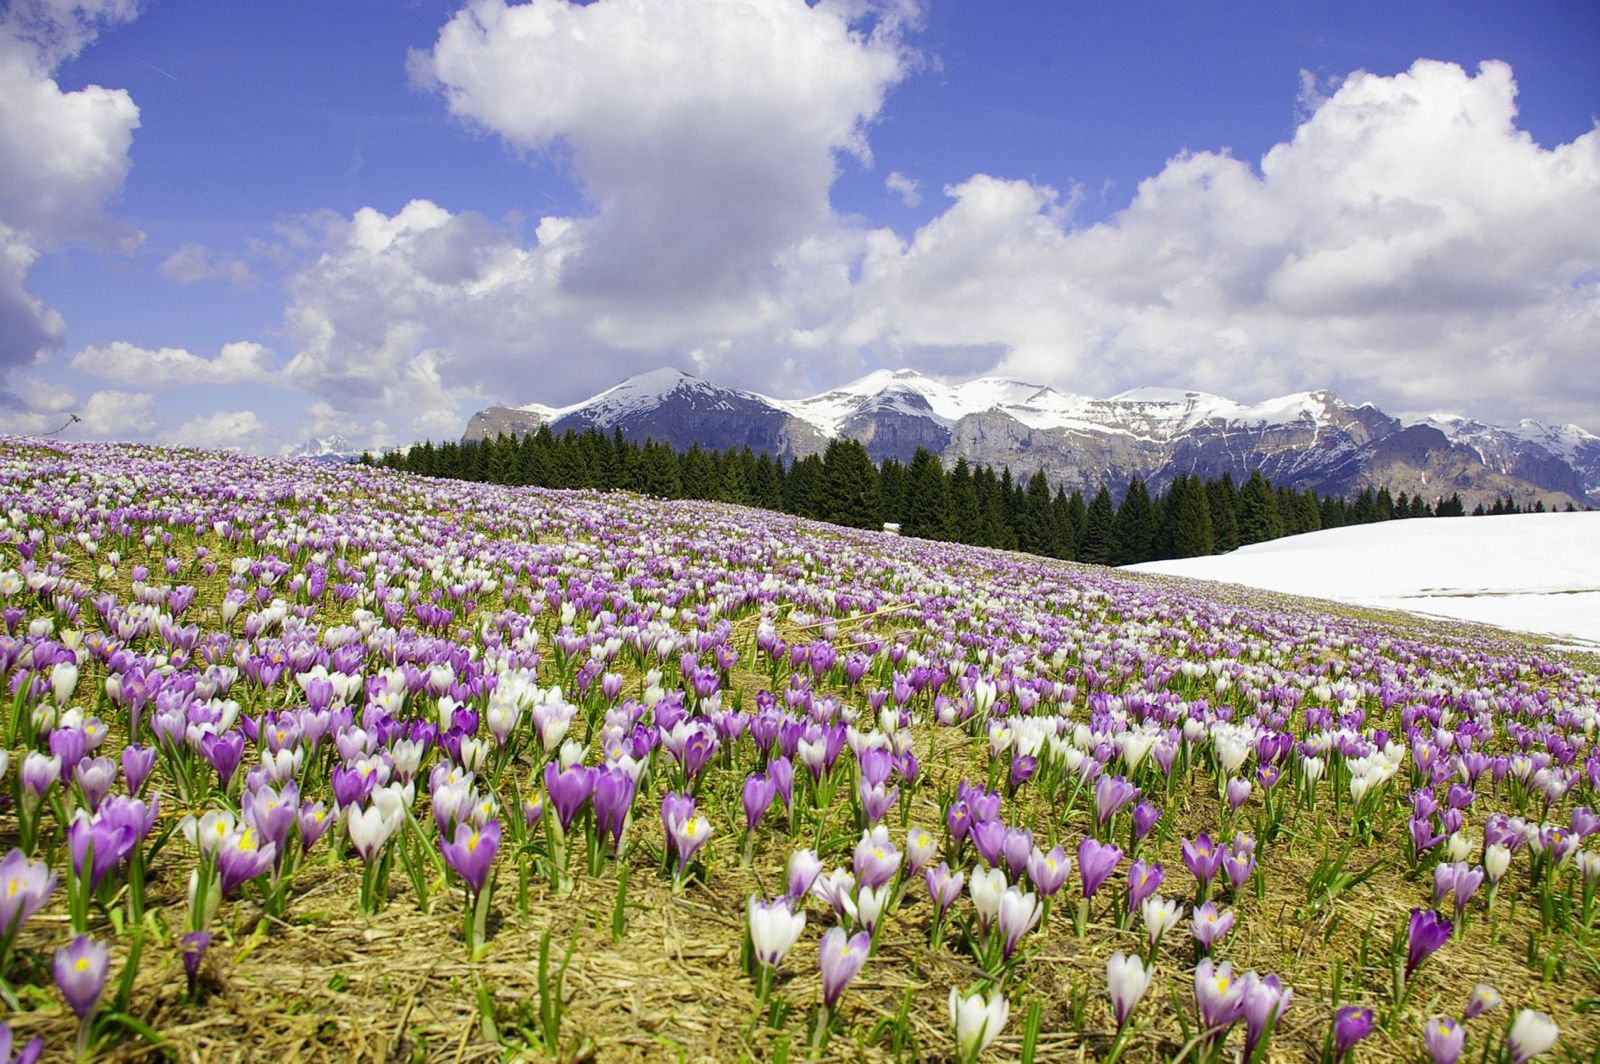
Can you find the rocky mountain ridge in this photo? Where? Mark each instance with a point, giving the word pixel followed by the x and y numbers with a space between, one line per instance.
pixel 1306 440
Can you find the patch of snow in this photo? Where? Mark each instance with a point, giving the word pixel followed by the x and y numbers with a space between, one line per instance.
pixel 1537 573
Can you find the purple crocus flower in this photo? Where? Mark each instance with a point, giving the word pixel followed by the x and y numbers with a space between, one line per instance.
pixel 24 886
pixel 1444 1039
pixel 1145 816
pixel 568 790
pixel 472 853
pixel 1203 859
pixel 612 801
pixel 223 752
pixel 1112 793
pixel 876 801
pixel 273 813
pixel 1144 879
pixel 314 822
pixel 780 770
pixel 989 838
pixel 110 844
pixel 137 764
pixel 95 777
pixel 1015 850
pixel 80 970
pixel 1428 932
pixel 759 791
pixel 802 870
pixel 944 887
pixel 28 1055
pixel 1468 880
pixel 241 858
pixel 1238 792
pixel 1049 871
pixel 840 959
pixel 1210 926
pixel 1265 1001
pixel 1096 860
pixel 1350 1025
pixel 875 860
pixel 1238 867
pixel 195 944
pixel 1219 997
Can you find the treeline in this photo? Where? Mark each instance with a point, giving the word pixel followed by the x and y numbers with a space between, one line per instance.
pixel 971 504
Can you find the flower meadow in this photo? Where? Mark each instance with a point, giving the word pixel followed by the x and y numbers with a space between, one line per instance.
pixel 312 760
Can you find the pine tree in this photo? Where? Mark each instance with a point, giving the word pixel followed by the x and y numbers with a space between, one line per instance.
pixel 1035 534
pixel 661 472
pixel 1189 517
pixel 733 487
pixel 1385 503
pixel 802 487
pixel 765 489
pixel 700 473
pixel 1224 502
pixel 928 507
pixel 1134 531
pixel 1098 530
pixel 965 519
pixel 894 486
pixel 1259 519
pixel 1063 542
pixel 850 489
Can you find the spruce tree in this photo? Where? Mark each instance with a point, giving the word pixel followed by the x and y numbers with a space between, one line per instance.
pixel 733 487
pixel 1189 518
pixel 802 487
pixel 1063 541
pixel 850 489
pixel 928 505
pixel 661 472
pixel 1259 519
pixel 1224 503
pixel 1098 529
pixel 1133 532
pixel 965 520
pixel 1035 534
pixel 765 489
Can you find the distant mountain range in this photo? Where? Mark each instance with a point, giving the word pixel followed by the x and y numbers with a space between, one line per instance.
pixel 333 448
pixel 1306 440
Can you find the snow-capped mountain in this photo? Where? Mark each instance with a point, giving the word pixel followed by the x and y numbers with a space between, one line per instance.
pixel 1563 456
pixel 1308 439
pixel 333 448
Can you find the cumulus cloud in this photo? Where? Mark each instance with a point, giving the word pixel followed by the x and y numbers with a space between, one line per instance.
pixel 706 135
pixel 704 131
pixel 225 430
pixel 1408 245
pixel 118 415
pixel 1409 241
pixel 904 187
pixel 63 156
pixel 195 263
pixel 240 362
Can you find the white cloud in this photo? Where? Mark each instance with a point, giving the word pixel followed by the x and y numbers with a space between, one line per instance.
pixel 230 430
pixel 705 134
pixel 194 263
pixel 906 188
pixel 1409 245
pixel 240 362
pixel 1408 242
pixel 63 156
pixel 118 415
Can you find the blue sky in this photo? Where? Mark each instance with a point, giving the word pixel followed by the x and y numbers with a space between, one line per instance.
pixel 248 224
